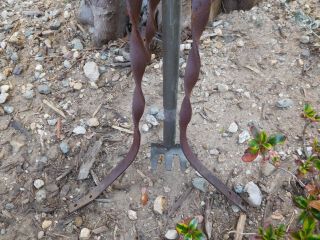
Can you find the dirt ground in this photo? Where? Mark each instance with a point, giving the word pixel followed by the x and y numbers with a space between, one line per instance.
pixel 250 61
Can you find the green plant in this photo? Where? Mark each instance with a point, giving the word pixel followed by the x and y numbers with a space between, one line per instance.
pixel 262 144
pixel 190 231
pixel 312 162
pixel 310 207
pixel 308 231
pixel 272 233
pixel 310 114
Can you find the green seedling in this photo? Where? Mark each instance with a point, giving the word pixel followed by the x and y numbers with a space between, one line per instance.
pixel 272 233
pixel 312 162
pixel 310 114
pixel 262 144
pixel 310 207
pixel 307 232
pixel 190 231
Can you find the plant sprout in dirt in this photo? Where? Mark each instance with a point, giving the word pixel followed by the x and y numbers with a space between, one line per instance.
pixel 190 231
pixel 263 145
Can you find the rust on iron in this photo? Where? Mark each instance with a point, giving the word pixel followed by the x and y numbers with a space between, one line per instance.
pixel 140 57
pixel 200 15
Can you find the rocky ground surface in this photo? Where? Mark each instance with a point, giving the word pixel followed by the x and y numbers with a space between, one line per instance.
pixel 63 102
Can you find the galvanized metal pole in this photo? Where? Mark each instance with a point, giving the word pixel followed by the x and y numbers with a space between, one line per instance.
pixel 171 10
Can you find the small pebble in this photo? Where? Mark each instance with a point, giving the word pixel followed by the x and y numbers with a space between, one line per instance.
pixel 28 94
pixel 160 115
pixel 8 109
pixel 154 110
pixel 119 59
pixel 40 234
pixel 214 152
pixel 93 122
pixel 284 103
pixel 91 71
pixel 52 122
pixel 85 234
pixel 305 39
pixel 41 195
pixel 77 44
pixel 17 70
pixel 79 130
pixel 240 43
pixel 9 206
pixel 67 64
pixel 3 97
pixel 152 120
pixel 200 184
pixel 38 183
pixel 222 87
pixel 255 195
pixel 44 89
pixel 77 86
pixel 238 188
pixel 244 136
pixel 64 147
pixel 145 127
pixel 132 215
pixel 78 221
pixel 159 204
pixel 171 234
pixel 55 25
pixel 233 128
pixel 39 68
pixel 46 224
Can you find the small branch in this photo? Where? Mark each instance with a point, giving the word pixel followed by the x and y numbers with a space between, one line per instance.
pixel 304 137
pixel 294 176
pixel 248 234
pixel 290 221
pixel 240 226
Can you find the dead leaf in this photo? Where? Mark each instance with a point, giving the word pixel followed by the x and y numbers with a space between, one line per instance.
pixel 315 204
pixel 144 197
pixel 248 156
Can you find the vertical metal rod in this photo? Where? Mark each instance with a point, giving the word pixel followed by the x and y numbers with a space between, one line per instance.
pixel 171 10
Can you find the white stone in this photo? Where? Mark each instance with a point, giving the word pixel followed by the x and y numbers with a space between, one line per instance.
pixel 39 68
pixel 159 204
pixel 244 136
pixel 132 215
pixel 218 32
pixel 4 88
pixel 222 87
pixel 152 120
pixel 91 71
pixel 171 234
pixel 3 97
pixel 214 152
pixel 145 127
pixel 233 128
pixel 240 43
pixel 77 86
pixel 85 234
pixel 119 59
pixel 93 122
pixel 40 234
pixel 79 130
pixel 46 224
pixel 38 183
pixel 255 195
